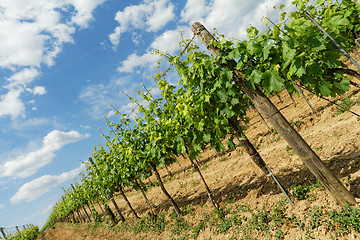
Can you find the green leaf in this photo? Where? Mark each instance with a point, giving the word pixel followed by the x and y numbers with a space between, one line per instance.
pixel 222 95
pixel 325 88
pixel 297 67
pixel 206 137
pixel 227 111
pixel 226 75
pixel 272 81
pixel 192 155
pixel 316 42
pixel 255 76
pixel 235 101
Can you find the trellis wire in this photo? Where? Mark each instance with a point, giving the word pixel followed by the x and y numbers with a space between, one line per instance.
pixel 356 114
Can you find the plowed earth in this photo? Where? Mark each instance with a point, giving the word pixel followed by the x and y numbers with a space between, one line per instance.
pixel 233 176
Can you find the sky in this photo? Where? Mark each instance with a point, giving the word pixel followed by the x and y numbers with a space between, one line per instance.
pixel 63 63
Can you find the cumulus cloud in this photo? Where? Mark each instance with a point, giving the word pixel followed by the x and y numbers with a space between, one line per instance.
pixel 22 78
pixel 2 206
pixel 11 104
pixel 194 10
pixel 28 164
pixel 32 33
pixel 151 16
pixel 39 90
pixel 34 189
pixel 239 14
pixel 168 42
pixel 133 61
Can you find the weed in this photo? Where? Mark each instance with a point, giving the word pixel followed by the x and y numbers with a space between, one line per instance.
pixel 223 159
pixel 205 166
pixel 180 226
pixel 301 192
pixel 345 105
pixel 198 228
pixel 316 217
pixel 344 220
pixel 143 225
pixel 297 123
pixel 289 150
pixel 319 147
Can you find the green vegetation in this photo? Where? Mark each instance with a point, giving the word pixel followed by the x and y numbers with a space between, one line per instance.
pixel 30 233
pixel 242 222
pixel 204 110
pixel 302 192
pixel 346 104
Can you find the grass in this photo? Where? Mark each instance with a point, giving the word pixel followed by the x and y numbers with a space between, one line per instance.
pixel 345 105
pixel 30 233
pixel 302 192
pixel 243 222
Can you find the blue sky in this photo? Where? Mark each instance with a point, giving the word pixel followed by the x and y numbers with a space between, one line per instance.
pixel 64 62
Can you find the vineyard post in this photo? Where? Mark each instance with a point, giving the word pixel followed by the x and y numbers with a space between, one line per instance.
pixel 88 217
pixel 3 233
pixel 128 202
pixel 283 127
pixel 117 208
pixel 145 197
pixel 209 193
pixel 257 159
pixel 173 203
pixel 102 210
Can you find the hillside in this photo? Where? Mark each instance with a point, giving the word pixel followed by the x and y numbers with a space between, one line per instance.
pixel 254 206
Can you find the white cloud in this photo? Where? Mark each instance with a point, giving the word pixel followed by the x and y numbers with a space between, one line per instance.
pixel 194 10
pixel 22 78
pixel 229 17
pixel 11 104
pixel 2 206
pixel 134 61
pixel 39 90
pixel 28 164
pixel 32 33
pixel 151 16
pixel 32 190
pixel 168 41
pixel 100 96
pixel 84 9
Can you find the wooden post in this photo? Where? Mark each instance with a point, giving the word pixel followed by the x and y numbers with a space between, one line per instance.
pixel 209 193
pixel 145 197
pixel 128 202
pixel 3 233
pixel 173 203
pixel 283 127
pixel 117 208
pixel 87 215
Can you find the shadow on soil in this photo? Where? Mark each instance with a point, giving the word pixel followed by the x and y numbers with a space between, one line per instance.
pixel 342 165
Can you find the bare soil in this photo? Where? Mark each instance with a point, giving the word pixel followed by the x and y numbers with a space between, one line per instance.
pixel 235 180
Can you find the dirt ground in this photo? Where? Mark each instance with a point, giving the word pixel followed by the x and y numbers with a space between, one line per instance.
pixel 336 139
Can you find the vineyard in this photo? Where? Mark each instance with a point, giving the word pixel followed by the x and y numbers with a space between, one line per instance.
pixel 214 156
